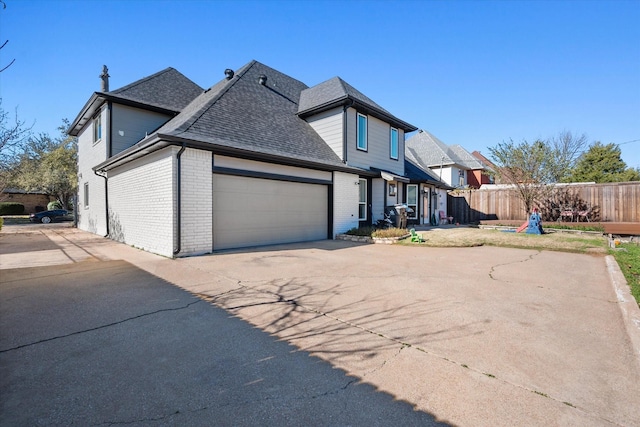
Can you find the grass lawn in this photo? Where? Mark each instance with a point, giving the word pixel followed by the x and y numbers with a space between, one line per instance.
pixel 629 262
pixel 467 236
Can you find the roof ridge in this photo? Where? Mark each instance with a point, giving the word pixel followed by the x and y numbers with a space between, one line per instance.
pixel 195 117
pixel 342 85
pixel 144 79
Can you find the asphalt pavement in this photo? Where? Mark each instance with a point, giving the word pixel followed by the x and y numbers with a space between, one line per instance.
pixel 108 344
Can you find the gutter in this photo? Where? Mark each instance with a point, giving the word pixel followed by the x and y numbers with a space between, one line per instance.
pixel 178 230
pixel 157 142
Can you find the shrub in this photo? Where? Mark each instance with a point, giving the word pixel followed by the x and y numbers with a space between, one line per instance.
pixel 40 208
pixel 390 232
pixel 11 208
pixel 54 205
pixel 361 231
pixel 1 222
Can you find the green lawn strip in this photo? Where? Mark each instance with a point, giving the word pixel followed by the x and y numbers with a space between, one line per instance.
pixel 629 262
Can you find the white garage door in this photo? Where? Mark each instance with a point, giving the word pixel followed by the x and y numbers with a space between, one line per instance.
pixel 255 211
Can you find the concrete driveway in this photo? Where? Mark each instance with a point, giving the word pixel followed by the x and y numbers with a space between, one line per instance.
pixel 472 336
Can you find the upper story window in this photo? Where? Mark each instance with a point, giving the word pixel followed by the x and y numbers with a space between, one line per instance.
pixel 97 128
pixel 362 132
pixel 393 143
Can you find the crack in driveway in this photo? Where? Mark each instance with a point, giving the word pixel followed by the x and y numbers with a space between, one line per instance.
pixel 100 327
pixel 494 267
pixel 295 303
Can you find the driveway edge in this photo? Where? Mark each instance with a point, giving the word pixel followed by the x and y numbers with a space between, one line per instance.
pixel 627 303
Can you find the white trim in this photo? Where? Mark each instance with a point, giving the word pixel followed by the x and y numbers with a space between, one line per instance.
pixel 363 184
pixel 366 122
pixel 391 144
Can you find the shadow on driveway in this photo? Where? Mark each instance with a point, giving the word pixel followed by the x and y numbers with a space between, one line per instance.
pixel 96 343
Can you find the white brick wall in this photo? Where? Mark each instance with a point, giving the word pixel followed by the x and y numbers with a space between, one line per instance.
pixel 197 202
pixel 345 202
pixel 141 202
pixel 92 218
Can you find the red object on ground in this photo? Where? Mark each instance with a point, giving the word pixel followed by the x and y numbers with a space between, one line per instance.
pixel 522 227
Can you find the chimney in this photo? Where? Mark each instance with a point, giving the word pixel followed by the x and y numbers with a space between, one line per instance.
pixel 105 79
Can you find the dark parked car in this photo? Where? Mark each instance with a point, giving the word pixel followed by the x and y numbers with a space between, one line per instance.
pixel 48 216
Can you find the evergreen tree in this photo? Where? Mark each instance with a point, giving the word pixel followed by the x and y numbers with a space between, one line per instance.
pixel 602 163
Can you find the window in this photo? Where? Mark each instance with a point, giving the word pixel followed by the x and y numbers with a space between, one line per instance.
pixel 362 201
pixel 393 143
pixel 412 200
pixel 86 195
pixel 97 128
pixel 362 132
pixel 461 179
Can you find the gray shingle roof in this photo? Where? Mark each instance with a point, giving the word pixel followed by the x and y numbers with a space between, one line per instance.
pixel 168 89
pixel 243 114
pixel 330 91
pixel 417 174
pixel 336 91
pixel 465 158
pixel 427 150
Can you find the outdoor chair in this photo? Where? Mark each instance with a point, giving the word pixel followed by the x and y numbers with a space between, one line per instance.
pixel 567 212
pixel 415 237
pixel 444 219
pixel 584 214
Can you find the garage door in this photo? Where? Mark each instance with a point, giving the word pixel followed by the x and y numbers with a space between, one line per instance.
pixel 256 211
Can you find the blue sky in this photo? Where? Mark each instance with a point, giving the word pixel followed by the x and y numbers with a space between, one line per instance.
pixel 473 73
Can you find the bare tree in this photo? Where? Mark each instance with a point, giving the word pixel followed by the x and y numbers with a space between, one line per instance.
pixel 566 147
pixel 13 138
pixel 526 166
pixel 4 6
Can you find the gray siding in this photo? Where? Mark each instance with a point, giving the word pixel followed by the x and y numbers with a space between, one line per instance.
pixel 328 125
pixel 378 149
pixel 130 125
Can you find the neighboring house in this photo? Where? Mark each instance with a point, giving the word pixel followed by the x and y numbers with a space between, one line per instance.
pixel 454 165
pixel 490 167
pixel 259 158
pixel 32 201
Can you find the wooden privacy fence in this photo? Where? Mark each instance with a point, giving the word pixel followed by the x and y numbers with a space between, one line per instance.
pixel 613 202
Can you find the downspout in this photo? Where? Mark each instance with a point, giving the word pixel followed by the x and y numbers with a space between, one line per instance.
pixel 345 141
pixel 109 135
pixel 106 200
pixel 109 154
pixel 178 230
